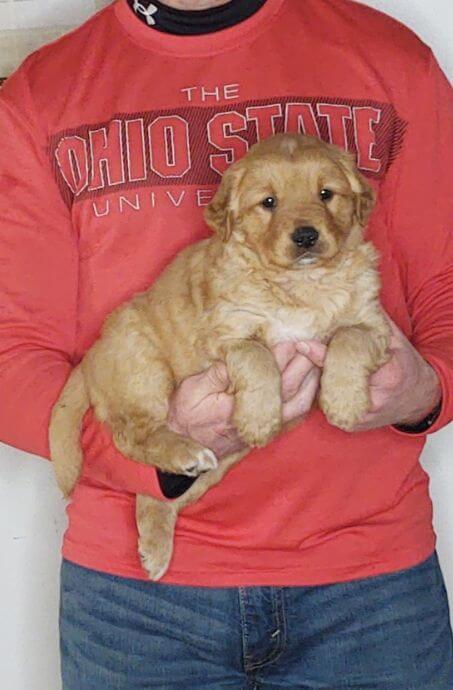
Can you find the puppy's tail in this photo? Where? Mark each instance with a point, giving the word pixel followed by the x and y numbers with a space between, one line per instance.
pixel 65 429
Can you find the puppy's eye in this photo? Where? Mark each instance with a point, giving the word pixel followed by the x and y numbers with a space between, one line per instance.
pixel 326 194
pixel 269 202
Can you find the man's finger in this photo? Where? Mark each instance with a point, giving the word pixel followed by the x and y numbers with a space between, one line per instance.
pixel 283 353
pixel 301 403
pixel 294 374
pixel 314 350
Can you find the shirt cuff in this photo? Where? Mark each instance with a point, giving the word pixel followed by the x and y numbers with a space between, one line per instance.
pixel 444 416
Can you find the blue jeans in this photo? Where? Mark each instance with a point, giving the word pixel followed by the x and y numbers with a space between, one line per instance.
pixel 390 632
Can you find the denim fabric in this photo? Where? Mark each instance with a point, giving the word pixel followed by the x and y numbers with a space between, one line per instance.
pixel 390 632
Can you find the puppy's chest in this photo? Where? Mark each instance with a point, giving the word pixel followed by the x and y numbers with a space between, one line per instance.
pixel 317 313
pixel 274 316
pixel 288 323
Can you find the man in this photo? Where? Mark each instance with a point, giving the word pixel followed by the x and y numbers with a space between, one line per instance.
pixel 312 564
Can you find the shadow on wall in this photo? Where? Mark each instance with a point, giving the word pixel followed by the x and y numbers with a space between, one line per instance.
pixel 22 33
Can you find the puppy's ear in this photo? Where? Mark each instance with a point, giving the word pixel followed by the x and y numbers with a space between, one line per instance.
pixel 222 211
pixel 364 194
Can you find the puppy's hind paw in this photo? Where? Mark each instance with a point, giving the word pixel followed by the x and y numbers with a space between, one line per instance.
pixel 156 525
pixel 204 460
pixel 156 565
pixel 185 456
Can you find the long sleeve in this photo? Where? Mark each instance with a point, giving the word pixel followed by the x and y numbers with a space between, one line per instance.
pixel 38 299
pixel 38 277
pixel 421 219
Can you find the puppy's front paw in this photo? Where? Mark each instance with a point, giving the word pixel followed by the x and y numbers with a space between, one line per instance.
pixel 186 456
pixel 344 401
pixel 257 417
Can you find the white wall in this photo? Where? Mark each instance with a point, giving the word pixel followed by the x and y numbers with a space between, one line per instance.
pixel 432 20
pixel 31 511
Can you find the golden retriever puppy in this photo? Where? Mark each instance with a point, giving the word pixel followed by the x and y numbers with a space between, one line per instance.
pixel 287 261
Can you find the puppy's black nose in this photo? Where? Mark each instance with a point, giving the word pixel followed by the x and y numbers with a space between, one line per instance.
pixel 305 237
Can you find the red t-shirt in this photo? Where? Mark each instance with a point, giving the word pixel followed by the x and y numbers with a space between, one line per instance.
pixel 112 140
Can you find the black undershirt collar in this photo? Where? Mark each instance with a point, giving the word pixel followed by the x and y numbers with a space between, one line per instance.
pixel 193 22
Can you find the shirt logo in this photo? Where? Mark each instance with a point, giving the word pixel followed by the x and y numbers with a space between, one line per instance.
pixel 195 145
pixel 146 12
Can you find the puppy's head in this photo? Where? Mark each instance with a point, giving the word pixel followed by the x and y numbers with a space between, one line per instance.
pixel 294 200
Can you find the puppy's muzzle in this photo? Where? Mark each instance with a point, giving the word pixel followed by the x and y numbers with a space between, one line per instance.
pixel 305 237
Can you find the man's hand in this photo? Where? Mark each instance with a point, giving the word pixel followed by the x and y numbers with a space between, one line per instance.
pixel 201 408
pixel 403 391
